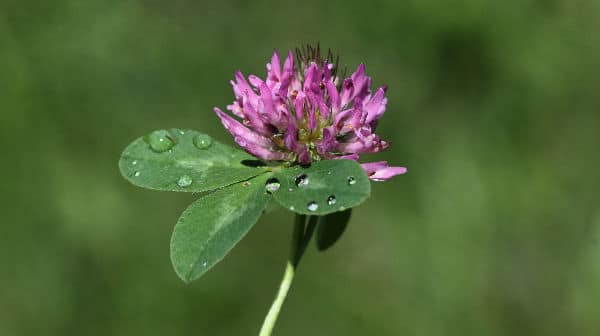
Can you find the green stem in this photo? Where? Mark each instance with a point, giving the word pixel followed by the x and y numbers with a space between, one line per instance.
pixel 284 287
pixel 300 239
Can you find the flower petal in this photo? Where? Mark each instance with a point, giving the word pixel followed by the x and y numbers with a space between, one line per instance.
pixel 334 97
pixel 287 75
pixel 236 107
pixel 361 82
pixel 290 138
pixel 353 157
pixel 241 132
pixel 255 81
pixel 274 68
pixel 267 108
pixel 375 107
pixel 347 92
pixel 312 79
pixel 361 143
pixel 254 119
pixel 241 85
pixel 252 142
pixel 327 142
pixel 288 64
pixel 380 171
pixel 340 122
pixel 303 155
pixel 299 105
pixel 261 152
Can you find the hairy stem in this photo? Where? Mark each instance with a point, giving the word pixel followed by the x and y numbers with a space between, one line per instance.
pixel 300 238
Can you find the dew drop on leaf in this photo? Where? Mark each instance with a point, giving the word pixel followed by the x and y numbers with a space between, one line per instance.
pixel 331 200
pixel 134 162
pixel 202 141
pixel 312 206
pixel 301 180
pixel 136 174
pixel 160 141
pixel 184 181
pixel 351 180
pixel 272 185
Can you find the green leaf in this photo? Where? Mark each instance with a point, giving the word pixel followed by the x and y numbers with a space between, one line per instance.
pixel 187 161
pixel 323 188
pixel 210 227
pixel 331 227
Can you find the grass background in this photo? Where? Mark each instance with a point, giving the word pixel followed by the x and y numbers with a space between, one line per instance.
pixel 493 106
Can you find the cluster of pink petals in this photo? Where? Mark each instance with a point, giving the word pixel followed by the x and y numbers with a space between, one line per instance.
pixel 303 113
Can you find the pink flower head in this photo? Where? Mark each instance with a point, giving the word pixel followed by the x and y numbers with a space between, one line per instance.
pixel 303 112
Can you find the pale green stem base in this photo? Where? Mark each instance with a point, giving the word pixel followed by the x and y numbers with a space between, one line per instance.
pixel 300 239
pixel 271 318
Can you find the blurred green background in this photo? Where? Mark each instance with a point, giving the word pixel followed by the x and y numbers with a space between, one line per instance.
pixel 493 106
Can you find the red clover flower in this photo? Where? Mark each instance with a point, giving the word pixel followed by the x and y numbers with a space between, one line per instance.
pixel 304 112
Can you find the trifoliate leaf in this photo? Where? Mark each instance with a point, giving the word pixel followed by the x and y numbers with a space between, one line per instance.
pixel 186 161
pixel 210 227
pixel 323 188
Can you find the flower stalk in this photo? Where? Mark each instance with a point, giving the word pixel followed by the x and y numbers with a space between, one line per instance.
pixel 301 236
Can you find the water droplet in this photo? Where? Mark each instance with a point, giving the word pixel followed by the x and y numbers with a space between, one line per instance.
pixel 134 162
pixel 301 180
pixel 331 200
pixel 312 206
pixel 351 180
pixel 204 264
pixel 246 183
pixel 329 172
pixel 290 189
pixel 160 141
pixel 342 208
pixel 182 132
pixel 184 181
pixel 203 141
pixel 292 208
pixel 136 174
pixel 272 185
